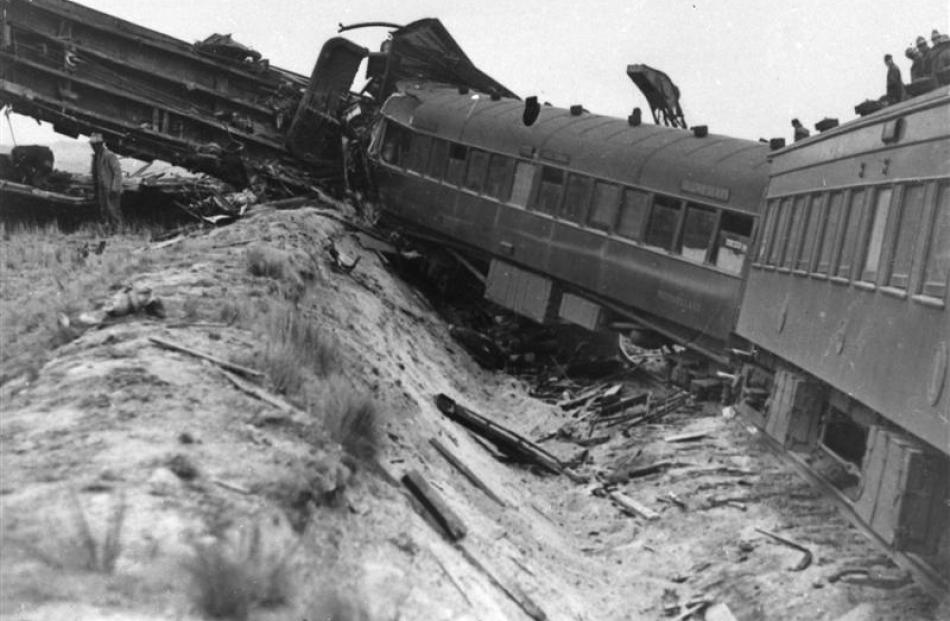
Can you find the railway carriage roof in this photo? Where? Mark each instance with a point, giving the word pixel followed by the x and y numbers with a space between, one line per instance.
pixel 659 158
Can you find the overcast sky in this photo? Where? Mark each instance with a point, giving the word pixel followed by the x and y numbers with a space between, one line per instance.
pixel 744 67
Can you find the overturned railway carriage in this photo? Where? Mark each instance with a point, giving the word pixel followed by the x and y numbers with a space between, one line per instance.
pixel 578 217
pixel 847 300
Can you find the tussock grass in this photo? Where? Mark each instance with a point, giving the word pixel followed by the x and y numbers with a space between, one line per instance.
pixel 292 348
pixel 268 262
pixel 231 578
pixel 47 273
pixel 351 418
pixel 74 546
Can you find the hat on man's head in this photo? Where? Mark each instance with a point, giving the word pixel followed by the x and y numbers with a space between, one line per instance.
pixel 921 40
pixel 934 34
pixel 95 137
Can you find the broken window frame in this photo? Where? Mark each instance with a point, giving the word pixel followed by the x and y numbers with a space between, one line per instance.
pixel 577 193
pixel 811 233
pixel 659 225
pixel 831 221
pixel 455 166
pixel 418 153
pixel 636 202
pixel 768 231
pixel 853 224
pixel 937 261
pixel 438 158
pixel 709 220
pixel 874 240
pixel 733 240
pixel 550 190
pixel 498 186
pixel 396 140
pixel 795 231
pixel 603 213
pixel 522 184
pixel 908 220
pixel 476 170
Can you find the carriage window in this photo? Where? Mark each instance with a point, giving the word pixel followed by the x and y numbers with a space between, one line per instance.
pixel 456 164
pixel 438 154
pixel 664 219
pixel 781 233
pixel 811 228
pixel 878 217
pixel 938 257
pixel 549 194
pixel 697 232
pixel 911 213
pixel 799 215
pixel 768 228
pixel 831 232
pixel 603 213
pixel 395 144
pixel 852 231
pixel 477 165
pixel 418 153
pixel 498 184
pixel 524 179
pixel 735 231
pixel 575 198
pixel 632 213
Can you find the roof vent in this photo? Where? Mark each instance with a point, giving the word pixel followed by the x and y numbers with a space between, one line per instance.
pixel 776 143
pixel 634 119
pixel 700 131
pixel 531 110
pixel 576 110
pixel 825 124
pixel 495 95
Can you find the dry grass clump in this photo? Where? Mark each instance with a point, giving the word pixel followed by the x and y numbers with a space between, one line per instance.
pixel 76 547
pixel 292 348
pixel 267 262
pixel 351 418
pixel 229 578
pixel 47 273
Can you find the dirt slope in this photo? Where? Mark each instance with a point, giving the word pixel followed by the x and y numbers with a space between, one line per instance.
pixel 178 474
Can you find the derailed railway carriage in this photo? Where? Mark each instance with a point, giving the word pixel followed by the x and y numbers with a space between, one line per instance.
pixel 836 294
pixel 847 301
pixel 580 217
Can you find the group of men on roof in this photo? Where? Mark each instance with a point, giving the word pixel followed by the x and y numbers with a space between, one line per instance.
pixel 928 62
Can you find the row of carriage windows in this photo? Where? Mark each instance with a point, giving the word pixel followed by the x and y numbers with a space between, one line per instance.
pixel 700 233
pixel 878 236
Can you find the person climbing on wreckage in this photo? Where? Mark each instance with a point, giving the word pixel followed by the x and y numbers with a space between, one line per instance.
pixel 106 182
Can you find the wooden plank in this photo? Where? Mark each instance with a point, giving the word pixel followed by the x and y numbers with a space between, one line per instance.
pixel 465 470
pixel 450 523
pixel 508 586
pixel 506 440
pixel 260 393
pixel 686 437
pixel 629 503
pixel 197 354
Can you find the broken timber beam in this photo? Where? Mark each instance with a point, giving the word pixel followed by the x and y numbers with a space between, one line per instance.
pixel 448 521
pixel 506 440
pixel 632 505
pixel 804 562
pixel 508 586
pixel 468 472
pixel 230 366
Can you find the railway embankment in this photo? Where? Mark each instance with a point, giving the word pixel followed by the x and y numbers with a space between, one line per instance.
pixel 238 452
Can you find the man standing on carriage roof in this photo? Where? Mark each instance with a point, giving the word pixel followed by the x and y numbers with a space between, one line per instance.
pixel 895 87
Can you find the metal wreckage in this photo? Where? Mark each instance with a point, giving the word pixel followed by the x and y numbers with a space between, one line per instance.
pixel 215 106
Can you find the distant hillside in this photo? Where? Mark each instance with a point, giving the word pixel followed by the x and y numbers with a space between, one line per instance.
pixel 74 156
